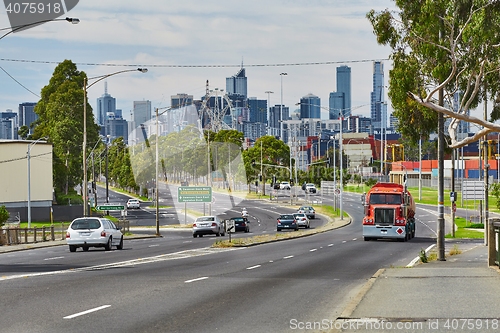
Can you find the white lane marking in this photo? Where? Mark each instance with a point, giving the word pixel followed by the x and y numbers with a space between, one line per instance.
pixel 287 257
pixel 253 267
pixel 198 279
pixel 354 239
pixel 86 312
pixel 154 245
pixel 312 250
pixel 344 242
pixel 53 258
pixel 329 245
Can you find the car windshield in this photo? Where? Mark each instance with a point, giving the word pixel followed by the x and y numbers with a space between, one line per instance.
pixel 85 224
pixel 238 219
pixel 286 217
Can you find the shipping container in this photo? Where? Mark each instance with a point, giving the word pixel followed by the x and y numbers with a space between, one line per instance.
pixel 427 164
pixel 434 164
pixel 473 173
pixel 472 164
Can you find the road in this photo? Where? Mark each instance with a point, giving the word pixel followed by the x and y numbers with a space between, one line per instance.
pixel 179 284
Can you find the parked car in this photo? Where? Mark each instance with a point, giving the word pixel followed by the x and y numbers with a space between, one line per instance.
pixel 308 210
pixel 276 186
pixel 310 188
pixel 287 221
pixel 207 225
pixel 241 224
pixel 133 204
pixel 302 220
pixel 284 186
pixel 88 232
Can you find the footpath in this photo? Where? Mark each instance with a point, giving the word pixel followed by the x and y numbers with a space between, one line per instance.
pixel 461 294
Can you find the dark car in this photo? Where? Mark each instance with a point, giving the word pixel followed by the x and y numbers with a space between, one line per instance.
pixel 287 221
pixel 240 224
pixel 276 186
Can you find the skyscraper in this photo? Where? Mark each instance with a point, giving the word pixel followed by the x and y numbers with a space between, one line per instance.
pixel 27 114
pixel 141 112
pixel 336 103
pixel 344 86
pixel 377 107
pixel 310 106
pixel 258 110
pixel 105 104
pixel 236 87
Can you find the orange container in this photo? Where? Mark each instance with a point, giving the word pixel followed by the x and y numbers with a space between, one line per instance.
pixel 493 164
pixel 426 164
pixel 471 164
pixel 434 164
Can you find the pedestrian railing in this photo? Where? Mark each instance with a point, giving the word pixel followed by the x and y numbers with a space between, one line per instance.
pixel 15 235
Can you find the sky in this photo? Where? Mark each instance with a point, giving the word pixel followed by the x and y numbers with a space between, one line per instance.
pixel 185 43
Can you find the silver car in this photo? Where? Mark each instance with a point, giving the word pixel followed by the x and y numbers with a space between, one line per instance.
pixel 88 232
pixel 302 220
pixel 208 225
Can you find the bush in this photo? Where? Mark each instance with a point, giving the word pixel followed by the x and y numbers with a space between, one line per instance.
pixel 4 215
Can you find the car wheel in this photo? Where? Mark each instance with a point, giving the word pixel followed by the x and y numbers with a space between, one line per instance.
pixel 85 248
pixel 120 246
pixel 194 235
pixel 200 236
pixel 247 230
pixel 222 234
pixel 107 247
pixel 278 229
pixel 72 248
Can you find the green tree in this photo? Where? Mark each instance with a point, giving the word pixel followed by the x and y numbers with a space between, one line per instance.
pixel 60 112
pixel 448 46
pixel 4 215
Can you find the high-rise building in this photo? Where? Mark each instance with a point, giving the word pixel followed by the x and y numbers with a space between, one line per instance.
pixel 27 115
pixel 378 107
pixel 344 86
pixel 236 88
pixel 141 112
pixel 258 110
pixel 8 125
pixel 336 104
pixel 275 118
pixel 180 100
pixel 310 106
pixel 105 104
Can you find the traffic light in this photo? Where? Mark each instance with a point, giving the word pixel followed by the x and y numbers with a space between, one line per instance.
pixel 260 177
pixel 253 163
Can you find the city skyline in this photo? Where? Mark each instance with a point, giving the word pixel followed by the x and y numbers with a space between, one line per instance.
pixel 185 44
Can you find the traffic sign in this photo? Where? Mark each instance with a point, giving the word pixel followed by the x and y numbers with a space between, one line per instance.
pixel 194 194
pixel 110 207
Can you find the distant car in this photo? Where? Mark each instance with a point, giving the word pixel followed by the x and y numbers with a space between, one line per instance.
pixel 184 183
pixel 308 210
pixel 241 224
pixel 276 186
pixel 310 188
pixel 207 225
pixel 284 186
pixel 88 232
pixel 287 221
pixel 302 220
pixel 133 204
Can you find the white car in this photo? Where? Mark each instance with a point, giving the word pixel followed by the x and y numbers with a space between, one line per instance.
pixel 284 186
pixel 133 204
pixel 207 225
pixel 88 232
pixel 310 188
pixel 302 220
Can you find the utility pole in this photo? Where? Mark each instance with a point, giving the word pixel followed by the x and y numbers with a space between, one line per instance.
pixel 441 229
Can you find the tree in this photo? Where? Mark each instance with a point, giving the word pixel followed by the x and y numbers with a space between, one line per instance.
pixel 60 112
pixel 448 46
pixel 4 215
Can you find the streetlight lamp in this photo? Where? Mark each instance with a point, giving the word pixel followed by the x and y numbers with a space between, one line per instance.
pixel 71 20
pixel 281 108
pixel 85 87
pixel 29 177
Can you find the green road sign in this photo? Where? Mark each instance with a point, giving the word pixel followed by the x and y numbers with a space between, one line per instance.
pixel 194 194
pixel 110 207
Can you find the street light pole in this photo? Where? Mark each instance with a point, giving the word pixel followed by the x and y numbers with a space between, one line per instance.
pixel 268 107
pixel 72 20
pixel 281 108
pixel 84 145
pixel 29 178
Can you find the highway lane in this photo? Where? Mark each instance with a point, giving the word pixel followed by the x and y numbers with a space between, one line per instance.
pixel 258 289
